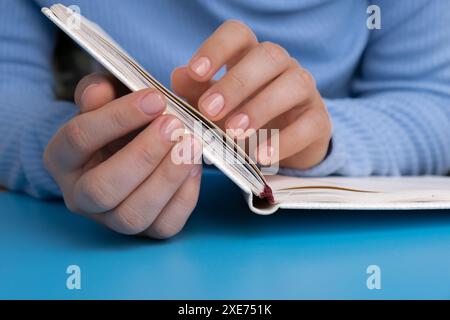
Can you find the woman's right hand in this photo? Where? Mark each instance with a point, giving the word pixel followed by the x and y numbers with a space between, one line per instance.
pixel 114 161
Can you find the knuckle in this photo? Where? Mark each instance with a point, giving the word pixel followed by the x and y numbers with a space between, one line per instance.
pixel 94 190
pixel 75 136
pixel 47 159
pixel 309 78
pixel 277 54
pixel 294 63
pixel 170 174
pixel 182 207
pixel 321 123
pixel 304 78
pixel 131 220
pixel 145 157
pixel 186 203
pixel 120 121
pixel 238 79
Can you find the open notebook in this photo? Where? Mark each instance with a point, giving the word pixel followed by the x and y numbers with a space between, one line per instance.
pixel 264 194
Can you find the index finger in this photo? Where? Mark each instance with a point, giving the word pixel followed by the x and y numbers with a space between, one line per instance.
pixel 230 41
pixel 75 143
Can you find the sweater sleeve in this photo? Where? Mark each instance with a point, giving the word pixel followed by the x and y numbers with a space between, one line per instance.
pixel 397 119
pixel 29 113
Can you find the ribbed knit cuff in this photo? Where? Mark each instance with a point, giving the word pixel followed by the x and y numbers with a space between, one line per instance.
pixel 36 121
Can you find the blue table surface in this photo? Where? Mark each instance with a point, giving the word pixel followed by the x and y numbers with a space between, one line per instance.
pixel 225 252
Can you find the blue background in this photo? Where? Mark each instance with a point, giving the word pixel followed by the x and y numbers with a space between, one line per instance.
pixel 225 252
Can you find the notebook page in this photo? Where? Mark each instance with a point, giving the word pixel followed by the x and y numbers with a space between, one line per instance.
pixel 367 189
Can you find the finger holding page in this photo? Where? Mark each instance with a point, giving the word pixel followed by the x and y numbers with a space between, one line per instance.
pixel 94 91
pixel 227 44
pixel 75 143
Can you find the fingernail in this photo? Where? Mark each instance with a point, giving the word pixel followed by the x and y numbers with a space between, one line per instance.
pixel 192 148
pixel 188 150
pixel 169 127
pixel 152 104
pixel 239 122
pixel 265 155
pixel 85 93
pixel 201 66
pixel 196 170
pixel 213 104
pixel 197 151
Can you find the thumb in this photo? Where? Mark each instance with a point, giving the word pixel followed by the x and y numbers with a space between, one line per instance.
pixel 96 90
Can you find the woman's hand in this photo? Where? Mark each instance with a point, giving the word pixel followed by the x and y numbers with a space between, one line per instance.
pixel 263 88
pixel 113 162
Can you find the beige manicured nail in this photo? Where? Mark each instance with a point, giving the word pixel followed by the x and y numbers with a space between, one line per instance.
pixel 214 104
pixel 169 129
pixel 152 104
pixel 201 66
pixel 85 93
